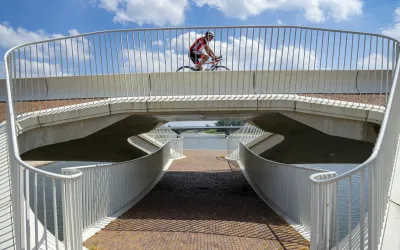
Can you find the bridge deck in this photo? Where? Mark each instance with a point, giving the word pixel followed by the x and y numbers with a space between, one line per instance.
pixel 28 106
pixel 202 202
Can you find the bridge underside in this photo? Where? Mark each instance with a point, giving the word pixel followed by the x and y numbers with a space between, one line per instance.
pixel 106 145
pixel 302 143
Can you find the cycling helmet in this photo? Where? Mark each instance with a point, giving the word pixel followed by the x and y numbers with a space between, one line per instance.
pixel 209 33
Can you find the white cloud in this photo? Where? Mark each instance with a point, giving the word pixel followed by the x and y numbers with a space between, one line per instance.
pixel 158 43
pixel 44 58
pixel 29 69
pixel 395 30
pixel 314 10
pixel 251 55
pixel 149 11
pixel 10 37
pixel 374 61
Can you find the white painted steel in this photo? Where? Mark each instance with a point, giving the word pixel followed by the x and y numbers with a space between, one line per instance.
pixel 246 135
pixel 109 187
pixel 379 169
pixel 163 134
pixel 176 148
pixel 6 223
pixel 294 60
pixel 286 186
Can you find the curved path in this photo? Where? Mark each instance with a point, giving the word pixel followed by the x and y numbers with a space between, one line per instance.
pixel 202 202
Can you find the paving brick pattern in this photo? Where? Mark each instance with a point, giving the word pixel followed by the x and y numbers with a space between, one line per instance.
pixel 379 100
pixel 30 106
pixel 202 202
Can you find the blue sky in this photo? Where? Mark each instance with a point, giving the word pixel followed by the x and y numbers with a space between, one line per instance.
pixel 25 21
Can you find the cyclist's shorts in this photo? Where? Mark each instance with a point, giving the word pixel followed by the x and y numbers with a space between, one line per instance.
pixel 195 57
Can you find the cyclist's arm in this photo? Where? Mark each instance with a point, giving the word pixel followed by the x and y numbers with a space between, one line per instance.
pixel 209 51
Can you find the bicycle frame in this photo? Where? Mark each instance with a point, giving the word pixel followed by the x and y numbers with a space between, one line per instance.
pixel 213 63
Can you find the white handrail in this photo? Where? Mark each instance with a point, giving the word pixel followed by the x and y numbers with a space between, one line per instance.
pixel 205 28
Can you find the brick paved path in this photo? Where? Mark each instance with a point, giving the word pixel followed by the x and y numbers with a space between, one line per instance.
pixel 200 203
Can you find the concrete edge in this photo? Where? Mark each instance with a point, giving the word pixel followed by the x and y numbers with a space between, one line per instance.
pixel 138 147
pixel 103 223
pixel 299 228
pixel 85 111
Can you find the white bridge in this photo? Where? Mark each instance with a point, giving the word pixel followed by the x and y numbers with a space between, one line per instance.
pixel 340 83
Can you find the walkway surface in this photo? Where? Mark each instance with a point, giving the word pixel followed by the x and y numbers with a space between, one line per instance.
pixel 202 202
pixel 28 106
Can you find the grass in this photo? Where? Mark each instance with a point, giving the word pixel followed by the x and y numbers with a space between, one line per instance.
pixel 213 131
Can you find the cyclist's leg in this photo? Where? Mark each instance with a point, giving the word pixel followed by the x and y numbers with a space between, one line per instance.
pixel 192 57
pixel 204 58
pixel 195 59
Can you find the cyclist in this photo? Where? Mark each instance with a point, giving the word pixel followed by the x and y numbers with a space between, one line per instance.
pixel 196 51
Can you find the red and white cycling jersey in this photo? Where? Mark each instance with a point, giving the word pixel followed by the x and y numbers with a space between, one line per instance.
pixel 198 46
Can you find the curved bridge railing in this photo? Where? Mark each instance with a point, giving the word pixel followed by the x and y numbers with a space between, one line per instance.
pixel 108 188
pixel 365 204
pixel 266 62
pixel 286 188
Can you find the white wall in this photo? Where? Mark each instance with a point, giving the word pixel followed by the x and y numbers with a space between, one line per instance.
pixel 201 83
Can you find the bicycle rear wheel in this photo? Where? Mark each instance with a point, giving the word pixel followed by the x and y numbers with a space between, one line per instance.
pixel 220 68
pixel 185 69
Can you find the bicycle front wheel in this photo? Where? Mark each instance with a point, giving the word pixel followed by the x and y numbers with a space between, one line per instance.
pixel 220 68
pixel 184 69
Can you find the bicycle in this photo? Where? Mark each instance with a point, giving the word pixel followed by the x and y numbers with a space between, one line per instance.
pixel 214 66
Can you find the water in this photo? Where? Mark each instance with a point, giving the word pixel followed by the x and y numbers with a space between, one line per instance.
pixel 347 189
pixel 45 200
pixel 202 141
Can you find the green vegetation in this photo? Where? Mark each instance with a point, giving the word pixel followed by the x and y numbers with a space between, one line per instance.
pixel 213 131
pixel 229 123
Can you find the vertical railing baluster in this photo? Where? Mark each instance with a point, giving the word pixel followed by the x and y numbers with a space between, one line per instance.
pixel 263 61
pixel 269 63
pixel 84 69
pixel 350 214
pixel 309 61
pixel 292 64
pixel 302 67
pixel 101 66
pixel 44 213
pixel 287 63
pixel 55 221
pixel 35 203
pixel 27 210
pixel 276 53
pixel 280 64
pixel 129 67
pixel 298 62
pixel 73 70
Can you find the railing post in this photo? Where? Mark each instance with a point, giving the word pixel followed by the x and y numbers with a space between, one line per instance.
pixel 323 212
pixel 397 56
pixel 16 191
pixel 72 211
